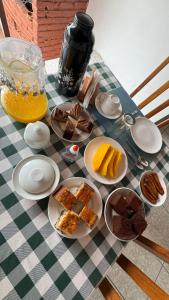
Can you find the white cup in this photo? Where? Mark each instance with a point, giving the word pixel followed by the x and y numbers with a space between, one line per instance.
pixel 111 105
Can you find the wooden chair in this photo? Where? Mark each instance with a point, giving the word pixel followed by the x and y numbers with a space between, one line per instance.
pixel 149 287
pixel 164 121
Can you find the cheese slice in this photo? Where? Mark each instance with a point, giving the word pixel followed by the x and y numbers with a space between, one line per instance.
pixel 99 156
pixel 103 168
pixel 110 168
pixel 117 162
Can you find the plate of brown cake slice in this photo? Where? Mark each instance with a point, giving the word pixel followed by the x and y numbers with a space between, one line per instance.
pixel 71 122
pixel 75 208
pixel 124 214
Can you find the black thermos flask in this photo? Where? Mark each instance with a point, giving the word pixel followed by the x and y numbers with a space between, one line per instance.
pixel 75 54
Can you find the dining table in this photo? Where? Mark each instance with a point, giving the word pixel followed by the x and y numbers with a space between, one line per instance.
pixel 37 262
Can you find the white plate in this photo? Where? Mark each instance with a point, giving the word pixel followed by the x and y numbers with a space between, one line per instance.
pixel 162 198
pixel 109 212
pixel 54 208
pixel 146 135
pixel 58 127
pixel 91 149
pixel 98 102
pixel 30 196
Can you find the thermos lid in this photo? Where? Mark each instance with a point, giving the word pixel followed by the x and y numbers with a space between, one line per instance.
pixel 84 20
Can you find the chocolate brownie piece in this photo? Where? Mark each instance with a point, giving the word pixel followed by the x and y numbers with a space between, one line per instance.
pixel 134 202
pixel 119 204
pixel 122 228
pixel 139 223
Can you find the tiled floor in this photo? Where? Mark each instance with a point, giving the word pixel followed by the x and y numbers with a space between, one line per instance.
pixel 158 231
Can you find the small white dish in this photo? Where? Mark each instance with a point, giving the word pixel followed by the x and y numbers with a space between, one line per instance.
pixel 102 105
pixel 146 135
pixel 20 186
pixel 59 127
pixel 162 198
pixel 55 209
pixel 91 149
pixel 37 135
pixel 109 212
pixel 36 176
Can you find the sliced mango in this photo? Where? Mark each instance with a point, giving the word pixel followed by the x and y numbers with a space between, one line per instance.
pixel 99 156
pixel 117 162
pixel 103 170
pixel 111 163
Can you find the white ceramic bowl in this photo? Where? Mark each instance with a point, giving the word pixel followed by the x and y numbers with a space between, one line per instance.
pixel 55 209
pixel 36 176
pixel 90 150
pixel 109 212
pixel 162 198
pixel 37 196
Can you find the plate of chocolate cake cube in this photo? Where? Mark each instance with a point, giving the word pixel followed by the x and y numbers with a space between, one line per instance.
pixel 71 122
pixel 124 214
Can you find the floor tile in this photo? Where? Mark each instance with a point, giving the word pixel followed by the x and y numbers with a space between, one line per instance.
pixel 145 261
pixel 166 204
pixel 166 266
pixel 158 226
pixel 126 286
pixel 96 295
pixel 163 280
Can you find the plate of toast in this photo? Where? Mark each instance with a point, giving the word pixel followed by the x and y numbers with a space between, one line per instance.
pixel 71 122
pixel 75 208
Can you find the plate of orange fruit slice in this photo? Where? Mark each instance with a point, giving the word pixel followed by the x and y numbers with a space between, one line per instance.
pixel 105 160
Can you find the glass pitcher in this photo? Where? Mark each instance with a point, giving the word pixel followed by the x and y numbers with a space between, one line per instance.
pixel 22 79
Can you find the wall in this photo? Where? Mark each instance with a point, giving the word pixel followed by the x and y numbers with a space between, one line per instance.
pixel 133 38
pixel 45 25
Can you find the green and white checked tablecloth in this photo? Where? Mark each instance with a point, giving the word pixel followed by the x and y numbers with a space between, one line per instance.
pixel 37 263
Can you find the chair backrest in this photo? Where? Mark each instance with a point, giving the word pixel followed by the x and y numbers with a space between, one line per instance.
pixel 155 94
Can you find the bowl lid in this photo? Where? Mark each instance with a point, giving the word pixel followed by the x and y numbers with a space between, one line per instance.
pixel 36 176
pixel 36 134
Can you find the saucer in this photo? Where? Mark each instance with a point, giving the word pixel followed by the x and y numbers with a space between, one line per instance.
pixel 52 171
pixel 146 135
pixel 98 103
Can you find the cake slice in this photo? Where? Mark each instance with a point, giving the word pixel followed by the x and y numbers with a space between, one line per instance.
pixel 60 115
pixel 69 130
pixel 67 222
pixel 76 111
pixel 84 193
pixel 84 125
pixel 88 216
pixel 65 197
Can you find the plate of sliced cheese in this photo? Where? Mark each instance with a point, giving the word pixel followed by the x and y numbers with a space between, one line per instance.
pixel 105 160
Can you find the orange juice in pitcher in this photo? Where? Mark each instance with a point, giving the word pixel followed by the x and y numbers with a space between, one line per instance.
pixel 22 77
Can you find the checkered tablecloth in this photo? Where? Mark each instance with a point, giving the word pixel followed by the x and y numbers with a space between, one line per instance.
pixel 36 262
